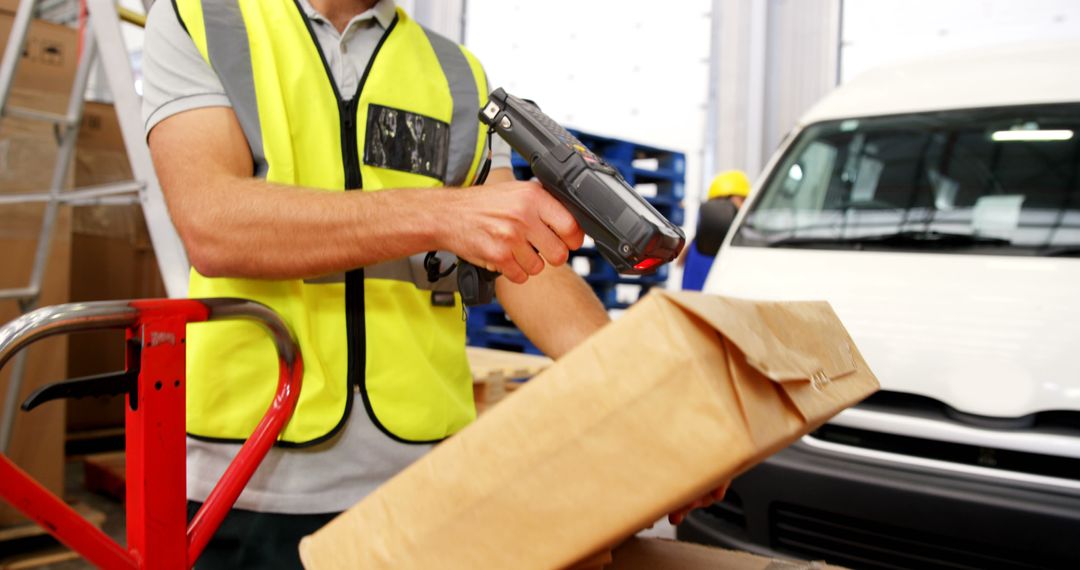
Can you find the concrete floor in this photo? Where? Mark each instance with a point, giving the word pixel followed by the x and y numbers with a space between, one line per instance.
pixel 114 516
pixel 113 510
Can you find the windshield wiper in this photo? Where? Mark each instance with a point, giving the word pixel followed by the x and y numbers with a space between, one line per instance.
pixel 927 239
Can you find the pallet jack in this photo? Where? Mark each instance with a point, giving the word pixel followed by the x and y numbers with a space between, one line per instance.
pixel 158 534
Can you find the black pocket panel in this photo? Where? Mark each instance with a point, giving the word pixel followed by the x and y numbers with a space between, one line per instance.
pixel 409 142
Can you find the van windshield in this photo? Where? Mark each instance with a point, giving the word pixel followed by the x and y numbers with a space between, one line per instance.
pixel 997 181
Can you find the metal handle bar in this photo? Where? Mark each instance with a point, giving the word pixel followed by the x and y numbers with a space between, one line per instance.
pixel 45 322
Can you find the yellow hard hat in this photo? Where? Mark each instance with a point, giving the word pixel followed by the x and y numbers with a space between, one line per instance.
pixel 729 183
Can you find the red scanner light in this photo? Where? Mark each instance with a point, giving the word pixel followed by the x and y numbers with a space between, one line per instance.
pixel 648 264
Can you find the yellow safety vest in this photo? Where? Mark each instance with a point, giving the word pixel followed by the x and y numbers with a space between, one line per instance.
pixel 412 124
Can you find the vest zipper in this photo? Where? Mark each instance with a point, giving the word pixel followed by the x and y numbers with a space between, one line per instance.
pixel 355 326
pixel 349 145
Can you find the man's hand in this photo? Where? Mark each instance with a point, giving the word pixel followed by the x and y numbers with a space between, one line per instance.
pixel 223 213
pixel 717 494
pixel 512 227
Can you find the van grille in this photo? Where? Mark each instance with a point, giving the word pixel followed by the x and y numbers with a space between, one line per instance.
pixel 729 513
pixel 858 543
pixel 991 458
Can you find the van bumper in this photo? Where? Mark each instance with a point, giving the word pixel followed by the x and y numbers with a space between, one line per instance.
pixel 814 502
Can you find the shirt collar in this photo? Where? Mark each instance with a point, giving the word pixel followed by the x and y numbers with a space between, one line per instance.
pixel 383 11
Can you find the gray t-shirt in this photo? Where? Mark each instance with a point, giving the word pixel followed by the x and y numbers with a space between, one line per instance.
pixel 334 475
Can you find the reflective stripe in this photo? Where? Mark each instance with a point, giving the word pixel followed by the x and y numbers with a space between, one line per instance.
pixel 464 125
pixel 409 270
pixel 189 13
pixel 230 55
pixel 406 352
pixel 482 142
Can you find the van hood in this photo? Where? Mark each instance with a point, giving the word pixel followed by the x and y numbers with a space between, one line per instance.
pixel 988 335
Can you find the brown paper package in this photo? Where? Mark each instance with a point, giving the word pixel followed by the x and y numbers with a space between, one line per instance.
pixel 683 392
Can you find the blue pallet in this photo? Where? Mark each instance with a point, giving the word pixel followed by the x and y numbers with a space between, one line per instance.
pixel 491 314
pixel 489 326
pixel 669 190
pixel 627 151
pixel 503 338
pixel 664 201
pixel 620 154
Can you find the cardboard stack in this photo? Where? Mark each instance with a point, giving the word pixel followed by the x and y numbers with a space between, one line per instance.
pixel 27 156
pixel 111 258
pixel 683 392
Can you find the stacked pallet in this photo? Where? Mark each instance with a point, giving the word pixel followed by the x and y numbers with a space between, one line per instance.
pixel 497 373
pixel 27 545
pixel 659 175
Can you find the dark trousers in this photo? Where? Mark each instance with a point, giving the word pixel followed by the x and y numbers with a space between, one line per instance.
pixel 248 539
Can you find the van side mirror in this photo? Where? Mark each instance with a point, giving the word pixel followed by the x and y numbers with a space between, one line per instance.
pixel 714 220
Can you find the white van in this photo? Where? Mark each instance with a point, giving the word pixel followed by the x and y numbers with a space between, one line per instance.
pixel 936 206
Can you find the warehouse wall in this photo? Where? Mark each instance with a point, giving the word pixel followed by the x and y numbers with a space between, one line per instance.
pixel 878 32
pixel 631 69
pixel 773 59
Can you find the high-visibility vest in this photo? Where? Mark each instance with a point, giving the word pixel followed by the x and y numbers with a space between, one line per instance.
pixel 412 124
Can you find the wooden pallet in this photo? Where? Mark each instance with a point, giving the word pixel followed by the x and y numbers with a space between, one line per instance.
pixel 497 373
pixel 87 442
pixel 104 474
pixel 27 545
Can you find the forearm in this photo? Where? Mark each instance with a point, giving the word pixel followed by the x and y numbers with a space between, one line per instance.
pixel 556 309
pixel 234 225
pixel 260 230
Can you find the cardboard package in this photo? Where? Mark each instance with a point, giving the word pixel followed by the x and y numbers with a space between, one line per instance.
pixel 682 393
pixel 27 155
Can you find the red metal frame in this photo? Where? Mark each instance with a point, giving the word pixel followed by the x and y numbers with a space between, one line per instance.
pixel 157 534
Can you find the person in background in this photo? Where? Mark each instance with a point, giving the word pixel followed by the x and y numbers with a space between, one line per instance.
pixel 726 195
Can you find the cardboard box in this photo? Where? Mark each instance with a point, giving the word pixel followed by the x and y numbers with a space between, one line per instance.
pixel 37 438
pixel 27 157
pixel 659 554
pixel 112 258
pixel 46 71
pixel 683 392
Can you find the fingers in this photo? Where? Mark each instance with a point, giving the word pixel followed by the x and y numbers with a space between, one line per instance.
pixel 703 501
pixel 528 260
pixel 555 216
pixel 521 229
pixel 549 246
pixel 511 269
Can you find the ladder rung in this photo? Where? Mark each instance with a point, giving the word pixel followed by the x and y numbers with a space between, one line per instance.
pixel 18 293
pixel 73 196
pixel 35 115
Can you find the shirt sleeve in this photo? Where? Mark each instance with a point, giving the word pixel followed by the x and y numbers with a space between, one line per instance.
pixel 176 78
pixel 500 152
pixel 500 149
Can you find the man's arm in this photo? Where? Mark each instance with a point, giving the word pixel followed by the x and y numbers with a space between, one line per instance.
pixel 238 226
pixel 555 309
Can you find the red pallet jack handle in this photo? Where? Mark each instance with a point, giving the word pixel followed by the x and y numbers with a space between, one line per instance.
pixel 157 534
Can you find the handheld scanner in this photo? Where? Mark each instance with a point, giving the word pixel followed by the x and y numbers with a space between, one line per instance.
pixel 628 231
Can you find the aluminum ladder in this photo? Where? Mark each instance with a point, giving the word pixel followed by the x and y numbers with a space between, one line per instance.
pixel 102 44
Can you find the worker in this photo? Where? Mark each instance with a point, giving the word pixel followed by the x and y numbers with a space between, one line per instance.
pixel 727 192
pixel 312 153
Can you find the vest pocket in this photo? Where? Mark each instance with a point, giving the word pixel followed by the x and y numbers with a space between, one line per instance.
pixel 408 142
pixel 418 386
